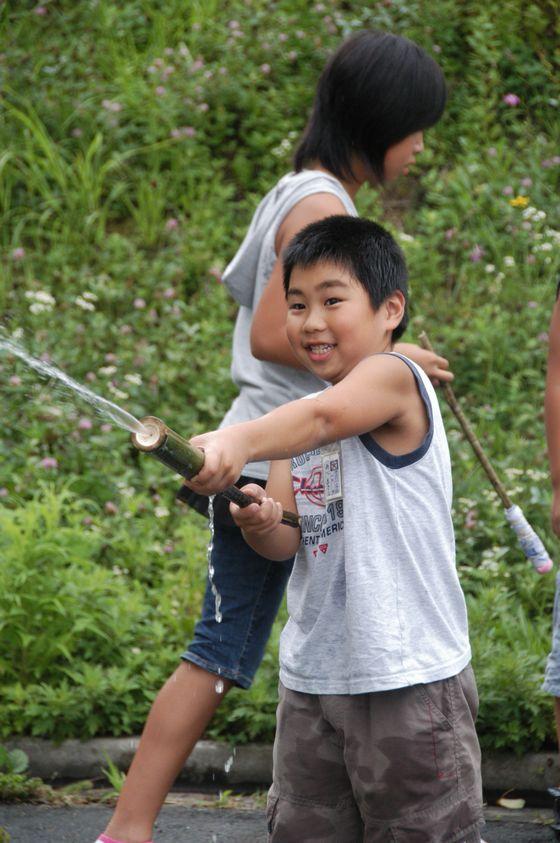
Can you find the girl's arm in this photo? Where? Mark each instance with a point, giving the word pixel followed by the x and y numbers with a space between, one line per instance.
pixel 260 522
pixel 437 368
pixel 268 328
pixel 552 413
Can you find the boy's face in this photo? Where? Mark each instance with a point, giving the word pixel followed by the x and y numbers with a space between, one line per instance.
pixel 331 322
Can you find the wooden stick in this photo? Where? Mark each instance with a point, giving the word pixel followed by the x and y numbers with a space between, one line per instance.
pixel 469 433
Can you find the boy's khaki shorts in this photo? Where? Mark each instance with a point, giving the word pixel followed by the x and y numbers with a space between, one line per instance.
pixel 400 765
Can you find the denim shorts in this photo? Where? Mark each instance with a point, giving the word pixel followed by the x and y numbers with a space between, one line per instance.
pixel 251 589
pixel 551 682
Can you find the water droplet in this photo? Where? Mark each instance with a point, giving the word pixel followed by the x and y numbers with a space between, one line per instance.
pixel 219 686
pixel 229 763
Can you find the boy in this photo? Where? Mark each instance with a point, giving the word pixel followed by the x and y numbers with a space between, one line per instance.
pixel 552 418
pixel 375 727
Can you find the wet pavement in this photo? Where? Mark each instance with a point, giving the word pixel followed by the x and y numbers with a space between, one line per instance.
pixel 182 823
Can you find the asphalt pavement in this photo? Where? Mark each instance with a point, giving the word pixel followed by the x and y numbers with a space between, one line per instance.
pixel 181 824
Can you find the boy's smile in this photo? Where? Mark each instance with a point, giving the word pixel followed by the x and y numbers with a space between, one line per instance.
pixel 331 322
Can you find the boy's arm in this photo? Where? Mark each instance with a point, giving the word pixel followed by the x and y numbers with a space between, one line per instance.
pixel 269 340
pixel 552 413
pixel 260 522
pixel 377 391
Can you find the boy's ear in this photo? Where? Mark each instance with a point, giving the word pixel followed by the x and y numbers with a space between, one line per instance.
pixel 394 307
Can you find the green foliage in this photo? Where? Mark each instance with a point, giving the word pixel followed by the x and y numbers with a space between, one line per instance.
pixel 13 761
pixel 136 141
pixel 114 776
pixel 15 787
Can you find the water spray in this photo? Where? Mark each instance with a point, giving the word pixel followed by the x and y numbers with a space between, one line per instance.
pixel 172 450
pixel 530 543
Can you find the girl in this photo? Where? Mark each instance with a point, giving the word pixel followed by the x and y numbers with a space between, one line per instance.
pixel 376 96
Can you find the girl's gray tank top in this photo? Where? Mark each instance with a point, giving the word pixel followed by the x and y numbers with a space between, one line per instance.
pixel 263 385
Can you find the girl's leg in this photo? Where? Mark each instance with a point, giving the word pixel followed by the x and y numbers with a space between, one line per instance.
pixel 178 717
pixel 223 653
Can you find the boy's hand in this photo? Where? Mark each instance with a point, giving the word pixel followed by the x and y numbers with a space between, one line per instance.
pixel 436 367
pixel 555 512
pixel 225 455
pixel 260 517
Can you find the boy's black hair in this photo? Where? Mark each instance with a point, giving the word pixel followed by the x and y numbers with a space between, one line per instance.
pixel 376 90
pixel 361 247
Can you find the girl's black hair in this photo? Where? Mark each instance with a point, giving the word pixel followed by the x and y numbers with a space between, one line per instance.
pixel 362 248
pixel 376 89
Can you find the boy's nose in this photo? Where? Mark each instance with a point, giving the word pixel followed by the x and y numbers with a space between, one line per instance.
pixel 314 322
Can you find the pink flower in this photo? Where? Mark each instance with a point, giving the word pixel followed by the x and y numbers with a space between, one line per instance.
pixel 265 68
pixel 15 380
pixel 531 259
pixel 203 106
pixel 282 37
pixel 3 492
pixel 126 329
pixel 160 90
pixel 48 462
pixel 450 234
pixel 527 182
pixel 110 357
pixel 111 105
pixel 85 424
pixel 18 253
pixel 216 273
pixel 87 521
pixel 106 428
pixel 492 151
pixel 139 303
pixel 41 11
pixel 292 55
pixel 511 100
pixel 171 224
pixel 111 508
pixel 169 293
pixel 543 337
pixel 477 254
pixel 508 190
pixel 168 548
pixel 91 376
pixel 471 519
pixel 532 304
pixel 77 132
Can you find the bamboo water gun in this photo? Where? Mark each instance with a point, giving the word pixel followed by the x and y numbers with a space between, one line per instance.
pixel 530 543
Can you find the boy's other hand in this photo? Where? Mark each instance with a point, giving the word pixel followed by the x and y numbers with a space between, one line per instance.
pixel 436 367
pixel 555 512
pixel 261 517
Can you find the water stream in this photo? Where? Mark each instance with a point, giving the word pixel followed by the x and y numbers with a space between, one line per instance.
pixel 47 370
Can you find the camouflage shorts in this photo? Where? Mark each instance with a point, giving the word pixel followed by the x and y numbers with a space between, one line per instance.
pixel 398 766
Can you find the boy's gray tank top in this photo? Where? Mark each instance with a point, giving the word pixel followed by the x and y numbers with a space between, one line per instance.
pixel 374 599
pixel 263 386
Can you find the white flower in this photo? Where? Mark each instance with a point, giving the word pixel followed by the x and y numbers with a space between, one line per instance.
pixel 406 238
pixel 161 512
pixel 85 305
pixel 489 267
pixel 135 379
pixel 118 393
pixel 89 296
pixel 509 260
pixel 107 371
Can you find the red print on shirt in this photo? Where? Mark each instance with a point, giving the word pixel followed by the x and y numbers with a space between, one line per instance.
pixel 311 487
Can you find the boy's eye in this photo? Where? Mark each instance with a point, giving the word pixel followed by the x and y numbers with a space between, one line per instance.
pixel 296 305
pixel 333 300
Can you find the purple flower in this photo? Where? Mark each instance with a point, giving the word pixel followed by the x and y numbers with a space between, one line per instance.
pixel 49 462
pixel 41 11
pixel 477 254
pixel 169 293
pixel 111 105
pixel 139 303
pixel 450 234
pixel 18 253
pixel 171 224
pixel 3 492
pixel 85 424
pixel 526 182
pixel 543 337
pixel 511 100
pixel 168 548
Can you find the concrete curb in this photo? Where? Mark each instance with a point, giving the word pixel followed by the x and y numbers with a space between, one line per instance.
pixel 214 762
